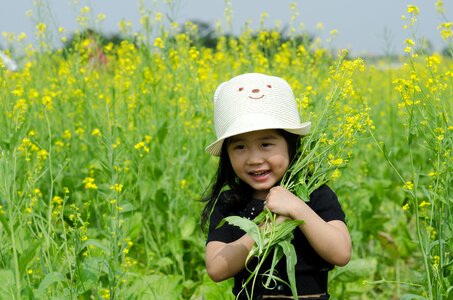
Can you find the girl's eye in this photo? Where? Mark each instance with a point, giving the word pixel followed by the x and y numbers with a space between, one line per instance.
pixel 238 147
pixel 265 145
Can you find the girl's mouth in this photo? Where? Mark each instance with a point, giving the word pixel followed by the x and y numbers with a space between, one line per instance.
pixel 258 174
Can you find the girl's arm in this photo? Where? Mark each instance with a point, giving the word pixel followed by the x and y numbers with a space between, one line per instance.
pixel 331 240
pixel 224 260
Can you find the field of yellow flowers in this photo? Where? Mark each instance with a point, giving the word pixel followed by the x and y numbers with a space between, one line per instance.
pixel 102 165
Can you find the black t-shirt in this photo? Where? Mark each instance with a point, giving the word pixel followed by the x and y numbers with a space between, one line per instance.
pixel 311 269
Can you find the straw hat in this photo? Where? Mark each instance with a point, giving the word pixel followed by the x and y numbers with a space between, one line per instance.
pixel 254 101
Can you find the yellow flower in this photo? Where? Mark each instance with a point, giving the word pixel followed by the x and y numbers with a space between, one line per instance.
pixel 117 187
pixel 89 183
pixel 335 174
pixel 412 9
pixel 96 132
pixel 105 293
pixel 85 10
pixel 42 154
pixel 408 185
pixel 57 200
pixel 183 183
pixel 406 207
pixel 409 42
pixel 47 101
pixel 436 260
pixel 41 27
pixel 335 161
pixel 424 204
pixel 159 43
pixel 139 145
pixel 37 192
pixel 67 134
pixel 101 17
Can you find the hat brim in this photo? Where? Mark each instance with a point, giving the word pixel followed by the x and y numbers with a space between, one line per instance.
pixel 255 122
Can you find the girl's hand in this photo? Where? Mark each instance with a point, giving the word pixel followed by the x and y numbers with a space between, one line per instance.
pixel 267 224
pixel 282 202
pixel 331 240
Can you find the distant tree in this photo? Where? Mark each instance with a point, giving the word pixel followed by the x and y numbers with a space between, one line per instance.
pixel 100 38
pixel 206 36
pixel 424 47
pixel 447 51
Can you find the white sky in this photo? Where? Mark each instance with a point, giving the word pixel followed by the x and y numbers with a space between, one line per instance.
pixel 364 26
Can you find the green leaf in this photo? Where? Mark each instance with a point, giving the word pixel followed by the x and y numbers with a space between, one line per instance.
pixel 291 260
pixel 187 225
pixel 248 226
pixel 156 286
pixel 88 276
pixel 96 243
pixel 162 132
pixel 27 255
pixel 7 284
pixel 412 296
pixel 48 280
pixel 278 254
pixel 355 270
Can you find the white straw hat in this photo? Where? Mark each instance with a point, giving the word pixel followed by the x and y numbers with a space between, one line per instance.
pixel 254 101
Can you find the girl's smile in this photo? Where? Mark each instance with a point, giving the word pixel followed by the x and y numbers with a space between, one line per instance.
pixel 259 158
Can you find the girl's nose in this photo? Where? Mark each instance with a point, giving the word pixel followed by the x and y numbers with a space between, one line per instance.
pixel 254 158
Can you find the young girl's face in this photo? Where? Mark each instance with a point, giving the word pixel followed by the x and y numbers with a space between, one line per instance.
pixel 259 158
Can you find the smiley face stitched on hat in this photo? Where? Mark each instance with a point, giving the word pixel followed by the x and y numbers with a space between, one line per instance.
pixel 254 101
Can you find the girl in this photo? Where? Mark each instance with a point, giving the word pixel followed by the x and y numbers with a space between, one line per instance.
pixel 258 128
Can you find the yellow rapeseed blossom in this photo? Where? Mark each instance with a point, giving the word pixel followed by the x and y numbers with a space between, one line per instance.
pixel 408 185
pixel 89 183
pixel 22 36
pixel 159 43
pixel 41 27
pixel 335 161
pixel 440 6
pixel 158 17
pixel 183 183
pixel 101 17
pixel 436 260
pixel 117 187
pixel 47 101
pixel 445 30
pixel 105 293
pixel 57 200
pixel 43 154
pixel 96 132
pixel 413 10
pixel 67 134
pixel 424 204
pixel 335 174
pixel 406 207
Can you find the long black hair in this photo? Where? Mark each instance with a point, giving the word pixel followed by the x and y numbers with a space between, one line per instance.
pixel 225 178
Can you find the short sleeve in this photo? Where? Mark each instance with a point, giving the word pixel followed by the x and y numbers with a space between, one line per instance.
pixel 325 203
pixel 226 233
